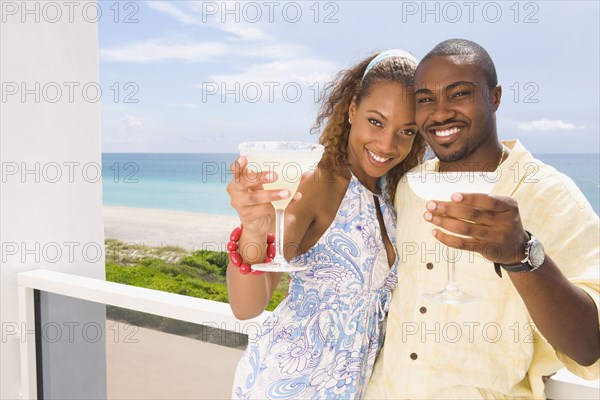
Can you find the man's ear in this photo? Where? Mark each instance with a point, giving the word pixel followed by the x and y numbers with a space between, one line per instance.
pixel 496 95
pixel 352 111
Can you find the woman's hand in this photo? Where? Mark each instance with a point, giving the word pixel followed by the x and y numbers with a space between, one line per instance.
pixel 250 294
pixel 250 200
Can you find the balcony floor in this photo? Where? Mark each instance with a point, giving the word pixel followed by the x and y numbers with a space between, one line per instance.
pixel 149 364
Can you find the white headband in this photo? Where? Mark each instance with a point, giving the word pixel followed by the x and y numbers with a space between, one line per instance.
pixel 387 54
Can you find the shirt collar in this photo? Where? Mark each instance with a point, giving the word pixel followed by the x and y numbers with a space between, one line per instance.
pixel 517 166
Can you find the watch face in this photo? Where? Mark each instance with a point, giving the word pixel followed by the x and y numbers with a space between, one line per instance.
pixel 536 254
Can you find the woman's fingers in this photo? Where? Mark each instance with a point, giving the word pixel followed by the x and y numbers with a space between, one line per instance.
pixel 245 178
pixel 258 197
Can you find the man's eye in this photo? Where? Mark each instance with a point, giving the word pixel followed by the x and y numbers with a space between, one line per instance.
pixel 459 94
pixel 375 122
pixel 424 100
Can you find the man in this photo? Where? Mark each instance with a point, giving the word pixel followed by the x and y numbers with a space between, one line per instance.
pixel 542 313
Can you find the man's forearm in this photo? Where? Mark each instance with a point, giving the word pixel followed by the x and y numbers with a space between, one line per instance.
pixel 563 313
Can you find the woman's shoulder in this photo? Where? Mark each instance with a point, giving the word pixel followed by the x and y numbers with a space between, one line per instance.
pixel 323 183
pixel 320 188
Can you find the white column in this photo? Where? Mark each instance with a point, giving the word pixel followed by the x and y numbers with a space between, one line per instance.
pixel 51 199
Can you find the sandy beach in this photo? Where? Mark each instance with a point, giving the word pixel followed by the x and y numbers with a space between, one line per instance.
pixel 189 230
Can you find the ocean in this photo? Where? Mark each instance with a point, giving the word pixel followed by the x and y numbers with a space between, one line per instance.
pixel 197 182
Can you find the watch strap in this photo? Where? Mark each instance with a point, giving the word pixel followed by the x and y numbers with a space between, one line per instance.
pixel 523 266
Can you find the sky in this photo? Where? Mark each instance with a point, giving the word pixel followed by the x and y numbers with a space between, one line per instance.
pixel 200 77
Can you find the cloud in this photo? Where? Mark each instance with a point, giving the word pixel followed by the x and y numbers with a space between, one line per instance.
pixel 233 21
pixel 185 105
pixel 547 125
pixel 274 80
pixel 302 71
pixel 234 44
pixel 133 122
pixel 127 123
pixel 197 15
pixel 160 50
pixel 242 31
pixel 170 9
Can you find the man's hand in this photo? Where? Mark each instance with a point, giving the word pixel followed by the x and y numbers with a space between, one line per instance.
pixel 489 225
pixel 564 314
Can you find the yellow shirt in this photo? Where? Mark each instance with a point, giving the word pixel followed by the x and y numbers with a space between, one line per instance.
pixel 488 348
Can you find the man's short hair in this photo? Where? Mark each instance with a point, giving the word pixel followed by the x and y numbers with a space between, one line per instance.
pixel 463 47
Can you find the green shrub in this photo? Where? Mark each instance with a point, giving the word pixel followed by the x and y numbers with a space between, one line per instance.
pixel 198 274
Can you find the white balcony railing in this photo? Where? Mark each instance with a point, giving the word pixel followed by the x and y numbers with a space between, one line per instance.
pixel 199 311
pixel 204 312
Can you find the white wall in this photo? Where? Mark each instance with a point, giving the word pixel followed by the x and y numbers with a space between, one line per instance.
pixel 51 217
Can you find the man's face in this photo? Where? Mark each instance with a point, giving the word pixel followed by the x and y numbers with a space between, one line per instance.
pixel 455 109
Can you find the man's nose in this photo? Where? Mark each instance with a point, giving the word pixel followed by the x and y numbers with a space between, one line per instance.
pixel 442 111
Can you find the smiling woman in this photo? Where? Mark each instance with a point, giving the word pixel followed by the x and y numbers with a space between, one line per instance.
pixel 322 340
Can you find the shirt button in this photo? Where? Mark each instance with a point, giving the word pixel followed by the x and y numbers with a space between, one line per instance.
pixel 429 266
pixel 423 310
pixel 413 356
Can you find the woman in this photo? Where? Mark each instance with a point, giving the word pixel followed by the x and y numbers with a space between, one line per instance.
pixel 322 340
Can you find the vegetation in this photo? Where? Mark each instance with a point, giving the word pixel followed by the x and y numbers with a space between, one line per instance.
pixel 173 269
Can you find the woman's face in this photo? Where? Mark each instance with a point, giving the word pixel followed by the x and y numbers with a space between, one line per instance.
pixel 382 131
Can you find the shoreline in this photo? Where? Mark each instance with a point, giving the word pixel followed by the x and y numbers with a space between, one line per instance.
pixel 154 227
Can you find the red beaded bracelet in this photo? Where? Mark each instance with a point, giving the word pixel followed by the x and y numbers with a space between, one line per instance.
pixel 236 258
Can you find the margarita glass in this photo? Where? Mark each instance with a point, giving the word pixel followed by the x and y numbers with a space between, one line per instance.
pixel 440 186
pixel 289 160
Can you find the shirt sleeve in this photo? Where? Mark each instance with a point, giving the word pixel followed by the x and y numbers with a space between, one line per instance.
pixel 591 286
pixel 574 248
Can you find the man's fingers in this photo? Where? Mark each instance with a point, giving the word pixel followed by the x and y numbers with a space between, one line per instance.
pixel 457 242
pixel 459 227
pixel 484 201
pixel 491 251
pixel 464 212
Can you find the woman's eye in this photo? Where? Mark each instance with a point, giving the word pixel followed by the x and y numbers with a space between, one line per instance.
pixel 375 122
pixel 407 132
pixel 424 100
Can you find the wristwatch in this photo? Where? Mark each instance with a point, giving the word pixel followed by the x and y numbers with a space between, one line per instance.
pixel 534 258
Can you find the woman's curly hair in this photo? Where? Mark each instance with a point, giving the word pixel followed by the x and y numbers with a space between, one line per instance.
pixel 335 101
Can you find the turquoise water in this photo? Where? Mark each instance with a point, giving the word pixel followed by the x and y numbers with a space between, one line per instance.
pixel 197 182
pixel 186 182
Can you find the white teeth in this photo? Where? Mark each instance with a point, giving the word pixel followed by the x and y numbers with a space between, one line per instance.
pixel 447 132
pixel 376 157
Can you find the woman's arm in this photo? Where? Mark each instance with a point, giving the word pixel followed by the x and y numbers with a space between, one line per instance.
pixel 250 294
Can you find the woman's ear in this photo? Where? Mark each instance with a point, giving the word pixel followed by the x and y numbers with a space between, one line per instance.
pixel 352 111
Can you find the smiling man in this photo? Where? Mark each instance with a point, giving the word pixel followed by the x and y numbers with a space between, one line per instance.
pixel 530 248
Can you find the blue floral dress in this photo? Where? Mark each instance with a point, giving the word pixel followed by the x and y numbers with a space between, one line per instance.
pixel 322 339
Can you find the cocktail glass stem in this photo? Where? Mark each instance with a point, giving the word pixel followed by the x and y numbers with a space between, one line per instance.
pixel 451 260
pixel 279 232
pixel 452 294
